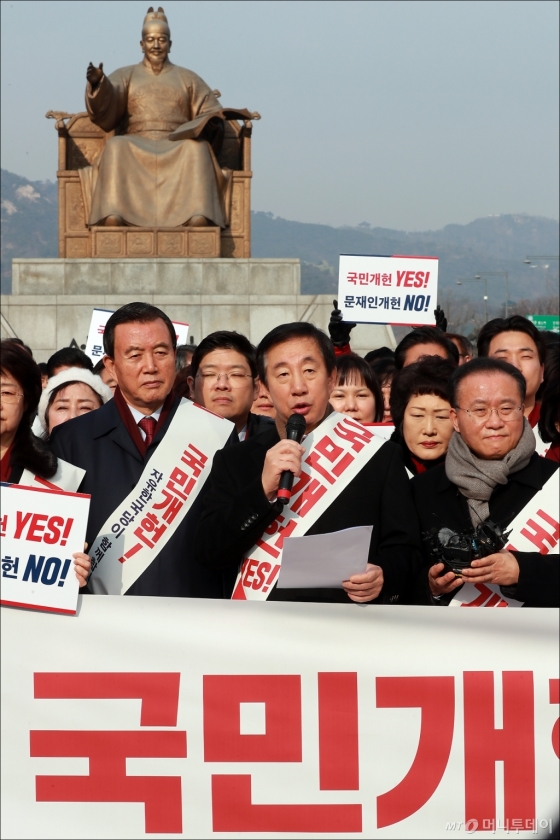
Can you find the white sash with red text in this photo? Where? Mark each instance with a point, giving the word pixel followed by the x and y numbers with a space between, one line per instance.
pixel 335 452
pixel 143 523
pixel 67 478
pixel 541 448
pixel 536 528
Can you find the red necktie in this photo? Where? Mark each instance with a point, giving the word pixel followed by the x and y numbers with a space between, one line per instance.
pixel 148 426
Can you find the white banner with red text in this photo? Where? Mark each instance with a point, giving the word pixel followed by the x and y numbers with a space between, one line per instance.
pixel 192 718
pixel 388 289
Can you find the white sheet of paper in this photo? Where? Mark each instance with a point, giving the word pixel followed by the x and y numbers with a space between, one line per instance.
pixel 323 561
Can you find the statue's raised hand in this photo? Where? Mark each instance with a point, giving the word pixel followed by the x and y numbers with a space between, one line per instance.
pixel 94 74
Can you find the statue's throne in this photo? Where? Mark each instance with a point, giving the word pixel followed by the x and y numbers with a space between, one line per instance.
pixel 81 143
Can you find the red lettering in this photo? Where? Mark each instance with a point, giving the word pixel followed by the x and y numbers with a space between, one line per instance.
pixel 36 527
pixel 238 592
pixel 251 566
pixel 551 521
pixel 21 522
pixel 233 810
pixel 300 483
pixel 540 535
pixel 159 692
pixel 52 535
pixel 409 278
pixel 271 578
pixel 222 738
pixel 313 461
pixel 338 731
pixel 285 532
pixel 309 498
pixel 268 548
pixel 514 745
pixel 485 595
pixel 426 278
pixel 419 281
pixel 107 751
pixel 554 688
pixel 400 277
pixel 107 781
pixel 262 572
pixel 436 698
pixel 354 433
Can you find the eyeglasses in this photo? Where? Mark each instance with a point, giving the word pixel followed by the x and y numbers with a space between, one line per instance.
pixel 9 397
pixel 236 380
pixel 504 412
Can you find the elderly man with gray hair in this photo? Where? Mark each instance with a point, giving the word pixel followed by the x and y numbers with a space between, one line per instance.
pixel 489 513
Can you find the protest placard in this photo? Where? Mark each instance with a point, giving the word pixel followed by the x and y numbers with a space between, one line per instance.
pixel 94 344
pixel 41 529
pixel 99 318
pixel 388 289
pixel 181 331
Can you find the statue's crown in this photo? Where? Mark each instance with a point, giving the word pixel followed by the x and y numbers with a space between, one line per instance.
pixel 159 15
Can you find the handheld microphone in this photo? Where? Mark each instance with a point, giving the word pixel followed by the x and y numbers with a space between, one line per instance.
pixel 295 430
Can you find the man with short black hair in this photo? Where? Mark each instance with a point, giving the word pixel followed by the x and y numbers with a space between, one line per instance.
pixel 491 474
pixel 224 379
pixel 424 341
pixel 68 357
pixel 345 477
pixel 517 341
pixel 463 345
pixel 115 443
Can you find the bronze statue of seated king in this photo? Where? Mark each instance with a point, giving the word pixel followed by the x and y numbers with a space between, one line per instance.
pixel 162 164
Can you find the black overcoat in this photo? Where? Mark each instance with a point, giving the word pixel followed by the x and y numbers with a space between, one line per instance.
pixel 99 443
pixel 236 513
pixel 440 504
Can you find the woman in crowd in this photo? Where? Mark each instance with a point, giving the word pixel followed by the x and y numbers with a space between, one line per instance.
pixel 20 393
pixel 420 411
pixel 69 394
pixel 262 404
pixel 20 449
pixel 384 371
pixel 357 392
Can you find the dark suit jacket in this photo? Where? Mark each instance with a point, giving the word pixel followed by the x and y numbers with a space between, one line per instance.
pixel 440 504
pixel 236 513
pixel 100 443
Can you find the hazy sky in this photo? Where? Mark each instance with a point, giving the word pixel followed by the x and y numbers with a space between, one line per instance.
pixel 409 115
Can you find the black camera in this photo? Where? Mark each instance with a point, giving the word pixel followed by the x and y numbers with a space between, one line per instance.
pixel 458 550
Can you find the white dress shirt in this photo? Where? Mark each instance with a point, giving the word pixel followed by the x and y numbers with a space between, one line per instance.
pixel 139 416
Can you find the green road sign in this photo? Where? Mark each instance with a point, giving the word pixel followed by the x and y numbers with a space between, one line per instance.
pixel 546 322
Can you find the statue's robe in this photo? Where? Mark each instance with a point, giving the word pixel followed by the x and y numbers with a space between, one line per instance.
pixel 143 176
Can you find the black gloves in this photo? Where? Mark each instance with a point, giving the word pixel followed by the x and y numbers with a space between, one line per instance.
pixel 441 320
pixel 339 330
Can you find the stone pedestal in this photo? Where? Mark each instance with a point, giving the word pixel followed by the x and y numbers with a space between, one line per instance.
pixel 52 299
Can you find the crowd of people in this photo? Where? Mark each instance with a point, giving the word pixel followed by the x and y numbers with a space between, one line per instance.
pixel 463 442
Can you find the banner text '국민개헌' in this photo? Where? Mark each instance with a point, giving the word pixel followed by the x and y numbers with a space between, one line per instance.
pixel 192 718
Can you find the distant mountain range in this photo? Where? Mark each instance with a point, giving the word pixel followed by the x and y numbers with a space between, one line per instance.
pixel 495 243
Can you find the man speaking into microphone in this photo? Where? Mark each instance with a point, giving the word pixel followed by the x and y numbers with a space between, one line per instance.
pixel 343 476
